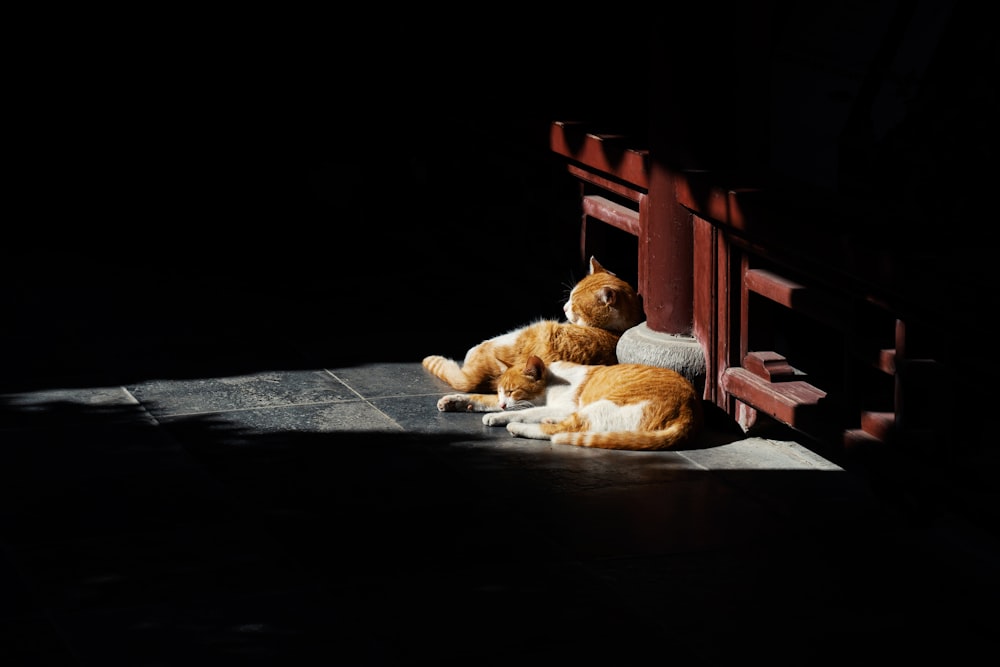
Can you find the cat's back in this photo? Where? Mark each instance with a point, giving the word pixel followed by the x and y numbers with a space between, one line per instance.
pixel 633 383
pixel 564 341
pixel 627 406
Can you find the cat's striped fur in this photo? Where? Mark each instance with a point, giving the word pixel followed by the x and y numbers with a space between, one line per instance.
pixel 621 406
pixel 601 306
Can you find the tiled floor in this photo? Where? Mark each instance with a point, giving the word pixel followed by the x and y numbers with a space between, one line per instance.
pixel 332 516
pixel 219 448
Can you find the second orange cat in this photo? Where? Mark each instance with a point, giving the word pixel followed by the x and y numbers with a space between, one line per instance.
pixel 621 406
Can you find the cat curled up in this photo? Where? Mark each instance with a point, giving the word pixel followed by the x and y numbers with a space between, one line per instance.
pixel 600 307
pixel 620 406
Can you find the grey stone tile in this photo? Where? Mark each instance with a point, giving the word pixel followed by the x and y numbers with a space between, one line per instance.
pixel 74 406
pixel 83 396
pixel 266 389
pixel 791 479
pixel 519 466
pixel 419 414
pixel 760 454
pixel 256 512
pixel 390 379
pixel 346 415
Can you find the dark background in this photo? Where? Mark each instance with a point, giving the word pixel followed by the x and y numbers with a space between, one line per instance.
pixel 199 193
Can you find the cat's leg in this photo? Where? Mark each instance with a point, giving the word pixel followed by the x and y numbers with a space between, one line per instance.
pixel 527 415
pixel 523 430
pixel 469 403
pixel 573 422
pixel 478 372
pixel 545 422
pixel 446 369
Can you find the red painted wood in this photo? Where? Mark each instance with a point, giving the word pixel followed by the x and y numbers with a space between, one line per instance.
pixel 772 286
pixel 878 424
pixel 887 361
pixel 608 153
pixel 668 246
pixel 664 229
pixel 771 366
pixel 741 322
pixel 643 276
pixel 793 403
pixel 856 438
pixel 727 310
pixel 604 183
pixel 822 306
pixel 705 300
pixel 612 213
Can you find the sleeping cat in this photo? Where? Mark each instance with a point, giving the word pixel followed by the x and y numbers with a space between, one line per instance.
pixel 623 406
pixel 601 306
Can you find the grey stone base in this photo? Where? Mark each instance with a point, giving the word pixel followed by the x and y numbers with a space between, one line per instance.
pixel 642 345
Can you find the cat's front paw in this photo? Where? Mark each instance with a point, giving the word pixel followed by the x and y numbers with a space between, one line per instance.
pixel 523 430
pixel 454 403
pixel 496 418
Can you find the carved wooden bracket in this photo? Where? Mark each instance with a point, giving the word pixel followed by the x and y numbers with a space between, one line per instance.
pixel 771 366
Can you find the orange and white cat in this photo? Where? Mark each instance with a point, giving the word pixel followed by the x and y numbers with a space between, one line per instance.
pixel 622 406
pixel 601 306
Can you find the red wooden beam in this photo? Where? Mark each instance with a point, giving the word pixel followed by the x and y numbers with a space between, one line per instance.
pixel 608 153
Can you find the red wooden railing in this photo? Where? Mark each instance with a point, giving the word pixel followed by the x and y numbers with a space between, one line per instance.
pixel 797 321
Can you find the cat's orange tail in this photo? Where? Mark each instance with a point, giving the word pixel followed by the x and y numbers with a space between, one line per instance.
pixel 448 370
pixel 672 436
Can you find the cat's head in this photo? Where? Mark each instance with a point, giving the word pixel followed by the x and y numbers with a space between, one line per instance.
pixel 520 386
pixel 603 300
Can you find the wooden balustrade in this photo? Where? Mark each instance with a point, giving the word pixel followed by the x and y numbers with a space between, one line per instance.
pixel 797 321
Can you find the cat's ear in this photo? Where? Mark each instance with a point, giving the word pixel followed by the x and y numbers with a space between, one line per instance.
pixel 502 364
pixel 608 295
pixel 595 266
pixel 534 367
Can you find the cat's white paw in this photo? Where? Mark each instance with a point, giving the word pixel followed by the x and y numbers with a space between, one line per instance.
pixel 496 418
pixel 454 403
pixel 523 430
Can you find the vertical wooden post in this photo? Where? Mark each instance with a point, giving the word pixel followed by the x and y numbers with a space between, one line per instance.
pixel 705 113
pixel 666 257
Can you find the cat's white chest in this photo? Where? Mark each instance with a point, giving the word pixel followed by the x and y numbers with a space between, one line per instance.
pixel 561 395
pixel 565 381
